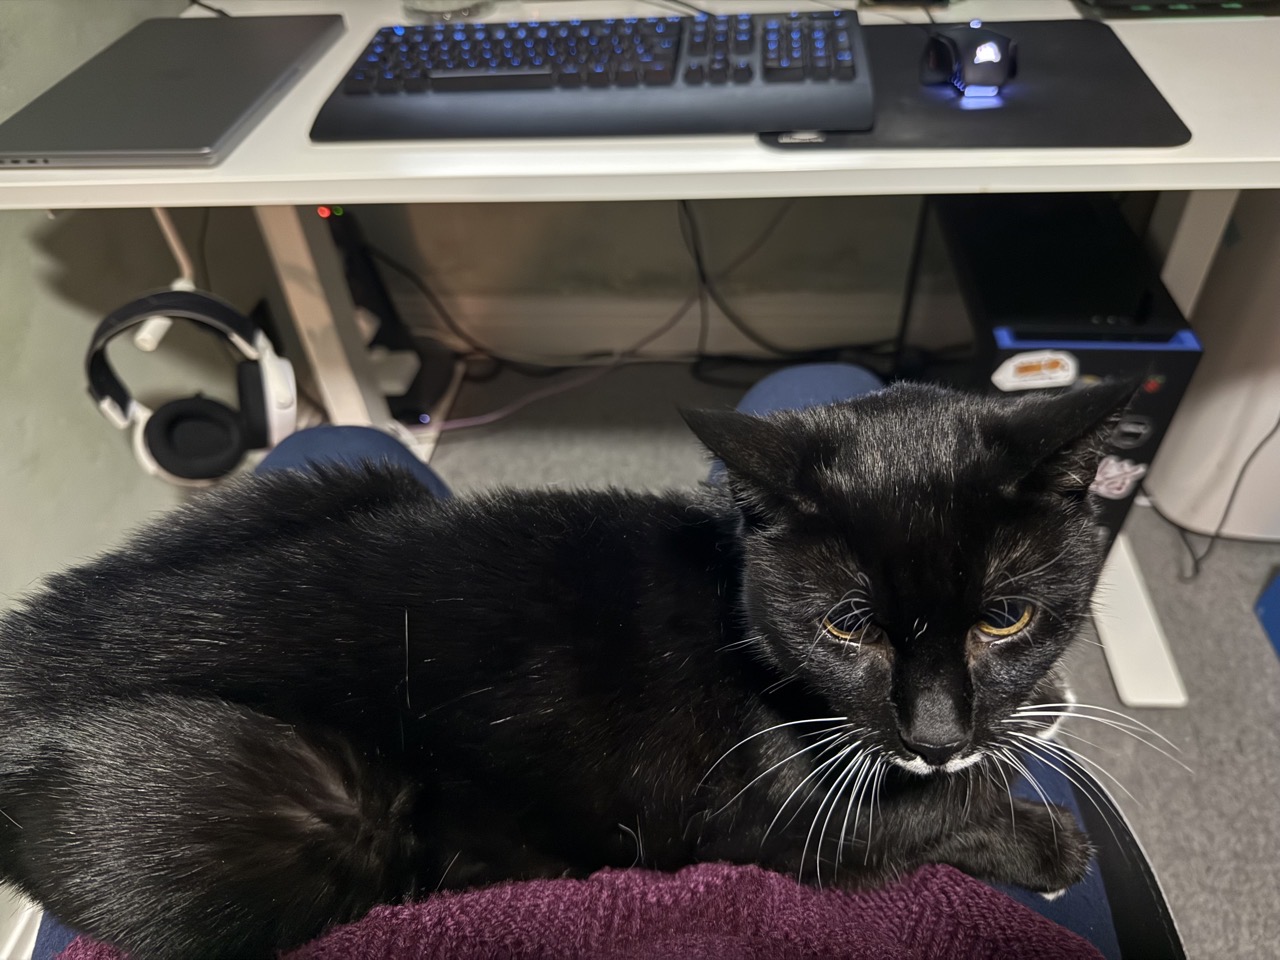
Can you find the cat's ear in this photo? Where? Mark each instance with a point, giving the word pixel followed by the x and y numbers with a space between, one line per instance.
pixel 750 447
pixel 763 459
pixel 1055 442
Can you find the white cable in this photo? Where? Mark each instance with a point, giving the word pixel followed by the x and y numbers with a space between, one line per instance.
pixel 152 331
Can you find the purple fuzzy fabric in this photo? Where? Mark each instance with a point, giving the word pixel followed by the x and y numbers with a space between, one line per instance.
pixel 704 912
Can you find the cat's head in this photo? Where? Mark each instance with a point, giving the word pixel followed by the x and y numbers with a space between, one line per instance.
pixel 919 558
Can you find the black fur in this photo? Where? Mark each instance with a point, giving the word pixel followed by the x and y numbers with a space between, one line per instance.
pixel 309 694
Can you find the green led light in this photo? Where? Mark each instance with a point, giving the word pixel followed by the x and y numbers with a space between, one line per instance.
pixel 337 211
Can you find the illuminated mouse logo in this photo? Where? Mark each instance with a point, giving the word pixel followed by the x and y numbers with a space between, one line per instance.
pixel 988 52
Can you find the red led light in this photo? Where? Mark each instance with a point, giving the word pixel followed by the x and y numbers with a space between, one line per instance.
pixel 324 212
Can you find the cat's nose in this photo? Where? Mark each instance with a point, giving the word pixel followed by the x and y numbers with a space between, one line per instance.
pixel 934 754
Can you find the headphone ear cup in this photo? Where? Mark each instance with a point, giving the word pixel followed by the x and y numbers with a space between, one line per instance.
pixel 253 405
pixel 195 438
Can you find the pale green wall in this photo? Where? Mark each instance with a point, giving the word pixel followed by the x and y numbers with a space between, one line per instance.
pixel 828 243
pixel 68 486
pixel 852 251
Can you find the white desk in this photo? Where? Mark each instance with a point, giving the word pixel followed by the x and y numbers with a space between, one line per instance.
pixel 1222 77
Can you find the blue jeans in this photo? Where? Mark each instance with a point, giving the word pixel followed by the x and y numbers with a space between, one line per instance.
pixel 1083 908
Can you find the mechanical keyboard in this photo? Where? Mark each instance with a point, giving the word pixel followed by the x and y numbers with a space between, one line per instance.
pixel 749 73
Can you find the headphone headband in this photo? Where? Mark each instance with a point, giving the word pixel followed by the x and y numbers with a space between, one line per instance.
pixel 107 390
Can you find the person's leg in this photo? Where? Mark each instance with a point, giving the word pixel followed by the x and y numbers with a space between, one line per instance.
pixel 1082 909
pixel 52 938
pixel 348 445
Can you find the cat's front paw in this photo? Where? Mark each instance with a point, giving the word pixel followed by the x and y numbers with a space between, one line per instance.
pixel 1056 854
pixel 1040 848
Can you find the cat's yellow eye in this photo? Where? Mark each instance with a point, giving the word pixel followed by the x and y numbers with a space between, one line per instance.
pixel 1006 619
pixel 863 634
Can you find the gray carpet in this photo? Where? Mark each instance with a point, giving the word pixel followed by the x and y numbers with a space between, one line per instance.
pixel 621 430
pixel 1213 835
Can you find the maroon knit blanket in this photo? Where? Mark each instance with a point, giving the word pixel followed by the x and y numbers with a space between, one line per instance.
pixel 704 912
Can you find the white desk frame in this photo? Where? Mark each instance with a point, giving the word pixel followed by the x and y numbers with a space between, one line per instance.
pixel 1221 75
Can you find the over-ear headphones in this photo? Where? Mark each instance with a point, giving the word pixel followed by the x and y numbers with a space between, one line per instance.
pixel 195 440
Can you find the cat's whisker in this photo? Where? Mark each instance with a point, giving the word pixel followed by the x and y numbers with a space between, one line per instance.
pixel 1086 786
pixel 800 786
pixel 1076 707
pixel 1029 574
pixel 1087 743
pixel 818 733
pixel 1027 714
pixel 968 795
pixel 761 733
pixel 1079 759
pixel 1076 755
pixel 850 596
pixel 881 768
pixel 760 776
pixel 1058 731
pixel 858 786
pixel 1123 728
pixel 851 622
pixel 778 684
pixel 636 839
pixel 1038 602
pixel 1035 785
pixel 842 781
pixel 407 704
pixel 452 700
pixel 867 780
pixel 831 766
pixel 818 633
pixel 738 644
pixel 1008 789
pixel 854 794
pixel 448 866
pixel 831 796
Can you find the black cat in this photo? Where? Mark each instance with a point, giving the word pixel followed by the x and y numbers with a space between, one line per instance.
pixel 310 694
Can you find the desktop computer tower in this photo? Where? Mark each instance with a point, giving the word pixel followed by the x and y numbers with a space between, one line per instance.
pixel 1045 292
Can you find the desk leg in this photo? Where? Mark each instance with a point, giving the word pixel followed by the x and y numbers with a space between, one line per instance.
pixel 311 276
pixel 1128 626
pixel 1137 650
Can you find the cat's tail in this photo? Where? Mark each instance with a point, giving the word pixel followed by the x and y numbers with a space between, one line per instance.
pixel 179 828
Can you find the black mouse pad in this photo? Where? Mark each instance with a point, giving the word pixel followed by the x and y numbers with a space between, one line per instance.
pixel 1077 86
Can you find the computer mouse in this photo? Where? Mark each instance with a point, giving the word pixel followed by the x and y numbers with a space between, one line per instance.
pixel 976 60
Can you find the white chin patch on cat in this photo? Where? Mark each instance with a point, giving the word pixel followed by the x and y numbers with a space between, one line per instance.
pixel 917 766
pixel 959 763
pixel 1053 895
